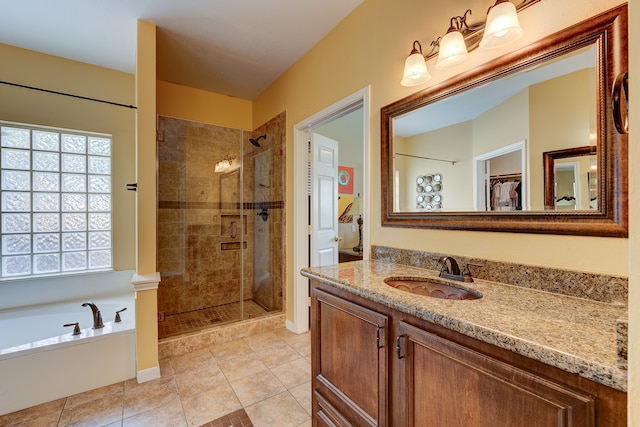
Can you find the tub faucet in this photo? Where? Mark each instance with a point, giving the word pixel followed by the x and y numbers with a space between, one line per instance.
pixel 97 317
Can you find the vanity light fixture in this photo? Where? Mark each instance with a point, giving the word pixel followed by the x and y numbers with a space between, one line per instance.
pixel 224 165
pixel 415 67
pixel 453 49
pixel 502 27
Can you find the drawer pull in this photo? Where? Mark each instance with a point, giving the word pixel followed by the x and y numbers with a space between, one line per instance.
pixel 399 347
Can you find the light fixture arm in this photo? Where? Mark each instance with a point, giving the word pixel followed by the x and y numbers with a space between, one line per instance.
pixel 460 23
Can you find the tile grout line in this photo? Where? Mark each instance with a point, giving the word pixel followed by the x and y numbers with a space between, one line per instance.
pixel 184 412
pixel 226 378
pixel 61 410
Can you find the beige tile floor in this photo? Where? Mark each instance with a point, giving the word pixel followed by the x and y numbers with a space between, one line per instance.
pixel 269 375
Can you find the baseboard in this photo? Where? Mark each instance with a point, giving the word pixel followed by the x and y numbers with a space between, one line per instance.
pixel 148 374
pixel 292 327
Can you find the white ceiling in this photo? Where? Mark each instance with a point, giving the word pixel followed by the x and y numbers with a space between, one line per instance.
pixel 231 47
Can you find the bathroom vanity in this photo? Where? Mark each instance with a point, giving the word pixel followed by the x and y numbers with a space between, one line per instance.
pixel 516 356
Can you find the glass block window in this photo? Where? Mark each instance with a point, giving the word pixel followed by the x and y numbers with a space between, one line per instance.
pixel 55 199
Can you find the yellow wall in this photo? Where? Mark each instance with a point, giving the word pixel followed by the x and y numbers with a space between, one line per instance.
pixel 187 103
pixel 145 91
pixel 548 132
pixel 457 179
pixel 33 107
pixel 513 116
pixel 146 300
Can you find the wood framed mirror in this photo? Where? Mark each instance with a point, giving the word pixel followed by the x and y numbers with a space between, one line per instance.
pixel 570 178
pixel 426 134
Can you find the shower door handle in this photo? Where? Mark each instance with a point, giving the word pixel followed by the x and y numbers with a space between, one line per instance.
pixel 234 229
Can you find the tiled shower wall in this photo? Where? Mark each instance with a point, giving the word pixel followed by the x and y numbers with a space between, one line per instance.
pixel 200 260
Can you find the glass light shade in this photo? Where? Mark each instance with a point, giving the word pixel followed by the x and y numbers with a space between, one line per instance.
pixel 453 50
pixel 415 71
pixel 502 26
pixel 224 165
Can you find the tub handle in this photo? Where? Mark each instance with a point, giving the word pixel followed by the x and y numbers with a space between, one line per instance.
pixel 118 319
pixel 76 329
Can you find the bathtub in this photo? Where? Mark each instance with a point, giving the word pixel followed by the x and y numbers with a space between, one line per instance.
pixel 40 360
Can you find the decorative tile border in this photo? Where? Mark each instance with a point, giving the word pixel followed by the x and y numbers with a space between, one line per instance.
pixel 275 204
pixel 597 287
pixel 238 418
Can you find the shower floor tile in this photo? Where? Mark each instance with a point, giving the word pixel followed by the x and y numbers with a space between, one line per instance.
pixel 191 321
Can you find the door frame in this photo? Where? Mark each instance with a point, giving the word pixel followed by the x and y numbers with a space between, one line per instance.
pixel 479 187
pixel 301 230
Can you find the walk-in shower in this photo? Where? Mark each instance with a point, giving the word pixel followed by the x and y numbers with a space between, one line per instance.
pixel 220 223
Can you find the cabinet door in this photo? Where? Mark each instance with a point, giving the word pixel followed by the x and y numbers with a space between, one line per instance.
pixel 349 362
pixel 445 384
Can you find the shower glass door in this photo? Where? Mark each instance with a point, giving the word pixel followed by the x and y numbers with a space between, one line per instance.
pixel 201 225
pixel 220 225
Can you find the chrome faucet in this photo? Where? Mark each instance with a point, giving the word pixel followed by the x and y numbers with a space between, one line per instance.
pixel 449 269
pixel 97 317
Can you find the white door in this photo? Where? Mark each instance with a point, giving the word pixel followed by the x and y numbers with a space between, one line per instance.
pixel 324 209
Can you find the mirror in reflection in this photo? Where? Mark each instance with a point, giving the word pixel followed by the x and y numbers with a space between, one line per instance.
pixel 571 179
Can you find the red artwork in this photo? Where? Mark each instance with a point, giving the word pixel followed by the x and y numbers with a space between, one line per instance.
pixel 345 180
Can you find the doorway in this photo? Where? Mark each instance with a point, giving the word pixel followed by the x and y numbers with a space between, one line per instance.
pixel 302 191
pixel 505 165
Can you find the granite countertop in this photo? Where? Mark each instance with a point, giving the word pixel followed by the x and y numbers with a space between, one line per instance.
pixel 573 334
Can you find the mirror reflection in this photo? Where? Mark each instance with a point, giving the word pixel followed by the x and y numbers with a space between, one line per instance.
pixel 571 179
pixel 487 145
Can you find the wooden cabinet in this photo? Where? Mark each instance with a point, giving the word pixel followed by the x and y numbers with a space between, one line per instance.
pixel 349 363
pixel 445 384
pixel 373 365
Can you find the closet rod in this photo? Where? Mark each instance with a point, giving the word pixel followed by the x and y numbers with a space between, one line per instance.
pixel 426 158
pixel 508 175
pixel 68 94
